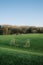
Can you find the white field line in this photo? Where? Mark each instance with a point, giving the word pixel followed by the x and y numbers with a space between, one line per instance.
pixel 21 51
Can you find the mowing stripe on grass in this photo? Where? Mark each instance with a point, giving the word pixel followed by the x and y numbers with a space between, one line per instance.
pixel 20 51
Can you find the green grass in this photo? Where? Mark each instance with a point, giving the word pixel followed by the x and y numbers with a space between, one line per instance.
pixel 13 50
pixel 36 41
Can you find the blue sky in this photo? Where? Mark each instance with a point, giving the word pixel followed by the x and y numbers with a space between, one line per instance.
pixel 21 12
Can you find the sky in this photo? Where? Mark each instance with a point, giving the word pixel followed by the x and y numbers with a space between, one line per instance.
pixel 21 12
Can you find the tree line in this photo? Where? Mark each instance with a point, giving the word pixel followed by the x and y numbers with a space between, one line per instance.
pixel 21 29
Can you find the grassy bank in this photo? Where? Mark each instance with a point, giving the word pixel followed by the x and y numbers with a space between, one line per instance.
pixel 25 49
